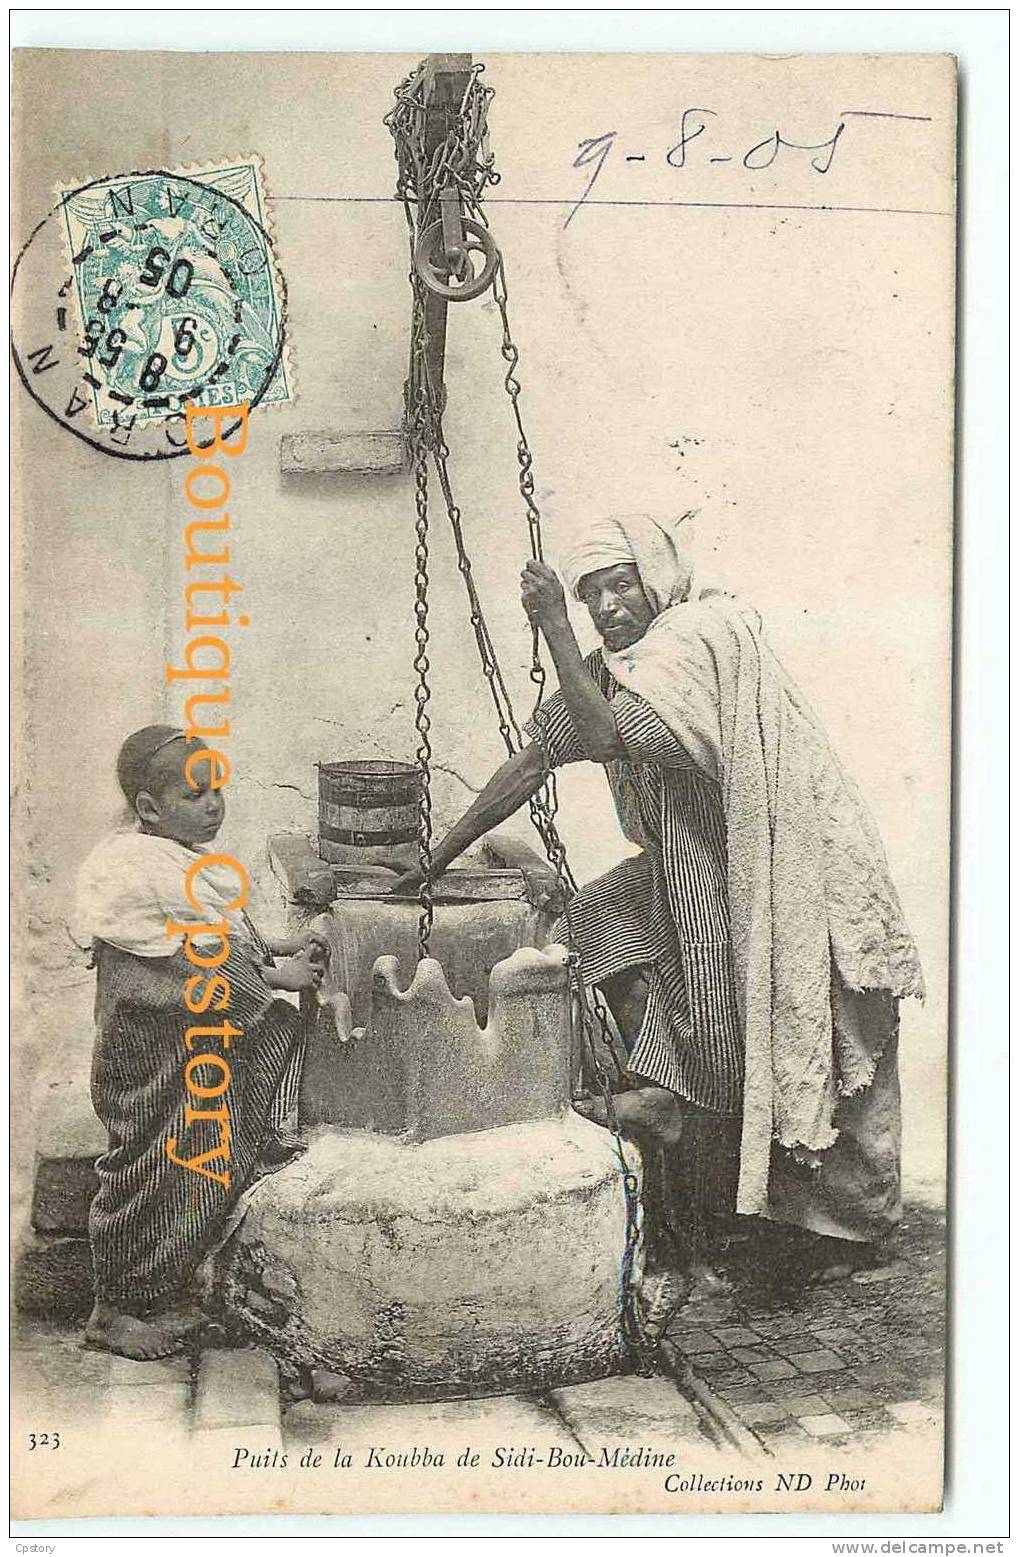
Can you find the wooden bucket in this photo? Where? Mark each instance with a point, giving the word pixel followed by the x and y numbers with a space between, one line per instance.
pixel 367 805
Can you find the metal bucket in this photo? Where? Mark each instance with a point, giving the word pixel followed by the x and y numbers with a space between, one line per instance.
pixel 367 804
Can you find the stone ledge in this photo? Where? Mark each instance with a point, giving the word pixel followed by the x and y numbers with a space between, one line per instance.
pixel 237 1389
pixel 53 1277
pixel 63 1190
pixel 621 1412
pixel 168 1403
pixel 66 1124
pixel 68 1140
pixel 160 1372
pixel 337 453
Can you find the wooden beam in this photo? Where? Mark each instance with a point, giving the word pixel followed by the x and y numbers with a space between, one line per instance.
pixel 446 80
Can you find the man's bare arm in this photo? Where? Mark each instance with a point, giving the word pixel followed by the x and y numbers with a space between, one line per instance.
pixel 589 709
pixel 516 781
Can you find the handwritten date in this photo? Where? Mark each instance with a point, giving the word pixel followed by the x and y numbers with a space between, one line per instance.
pixel 696 126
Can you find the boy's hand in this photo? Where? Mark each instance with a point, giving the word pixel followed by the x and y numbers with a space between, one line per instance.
pixel 285 946
pixel 296 973
pixel 317 948
pixel 312 941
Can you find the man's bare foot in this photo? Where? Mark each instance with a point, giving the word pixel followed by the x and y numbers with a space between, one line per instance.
pixel 281 1149
pixel 109 1330
pixel 839 1258
pixel 647 1114
pixel 706 1281
pixel 662 1295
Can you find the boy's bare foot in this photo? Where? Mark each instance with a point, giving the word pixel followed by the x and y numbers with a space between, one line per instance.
pixel 109 1330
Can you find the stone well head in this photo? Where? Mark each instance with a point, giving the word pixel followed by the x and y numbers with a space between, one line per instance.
pixel 454 1226
pixel 426 1059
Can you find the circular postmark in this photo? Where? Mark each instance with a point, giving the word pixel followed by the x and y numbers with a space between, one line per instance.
pixel 140 293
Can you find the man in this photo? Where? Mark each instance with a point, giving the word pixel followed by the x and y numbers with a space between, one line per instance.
pixel 754 951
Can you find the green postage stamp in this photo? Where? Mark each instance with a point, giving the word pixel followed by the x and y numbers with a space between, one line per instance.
pixel 178 292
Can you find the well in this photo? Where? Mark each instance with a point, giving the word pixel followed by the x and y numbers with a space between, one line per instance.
pixel 454 1226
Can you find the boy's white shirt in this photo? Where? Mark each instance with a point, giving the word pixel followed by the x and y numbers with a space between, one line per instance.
pixel 133 884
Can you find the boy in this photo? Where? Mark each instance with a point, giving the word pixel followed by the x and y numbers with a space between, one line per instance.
pixel 196 1063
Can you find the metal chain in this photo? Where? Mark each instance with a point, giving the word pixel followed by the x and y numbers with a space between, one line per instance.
pixel 462 158
pixel 461 161
pixel 544 809
pixel 545 804
pixel 634 1337
pixel 509 729
pixel 511 356
pixel 417 418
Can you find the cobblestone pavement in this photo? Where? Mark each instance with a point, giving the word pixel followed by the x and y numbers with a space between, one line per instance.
pixel 847 1362
pixel 230 1397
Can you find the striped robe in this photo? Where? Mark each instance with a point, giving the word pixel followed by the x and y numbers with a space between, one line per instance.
pixel 667 910
pixel 153 1221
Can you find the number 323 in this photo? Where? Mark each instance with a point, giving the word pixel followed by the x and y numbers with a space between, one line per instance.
pixel 43 1441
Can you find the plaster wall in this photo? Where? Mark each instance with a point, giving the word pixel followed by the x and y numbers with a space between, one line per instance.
pixel 787 372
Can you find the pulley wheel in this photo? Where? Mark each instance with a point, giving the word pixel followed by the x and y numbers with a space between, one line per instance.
pixel 432 262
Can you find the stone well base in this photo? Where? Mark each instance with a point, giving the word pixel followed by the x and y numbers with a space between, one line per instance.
pixel 467 1264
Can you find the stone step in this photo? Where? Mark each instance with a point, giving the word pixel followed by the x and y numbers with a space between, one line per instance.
pixel 86 1392
pixel 167 1403
pixel 449 1427
pixel 629 1412
pixel 63 1190
pixel 237 1399
pixel 53 1277
pixel 69 1138
pixel 53 1371
pixel 160 1372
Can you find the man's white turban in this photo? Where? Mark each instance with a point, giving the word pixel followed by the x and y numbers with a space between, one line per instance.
pixel 658 548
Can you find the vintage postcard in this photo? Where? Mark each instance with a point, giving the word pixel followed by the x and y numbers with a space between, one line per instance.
pixel 483 559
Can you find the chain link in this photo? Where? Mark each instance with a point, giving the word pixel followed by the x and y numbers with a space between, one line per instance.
pixel 418 428
pixel 509 729
pixel 462 162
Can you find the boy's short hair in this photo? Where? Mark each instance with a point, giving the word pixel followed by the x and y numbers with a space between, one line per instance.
pixel 136 754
